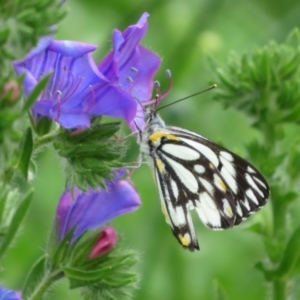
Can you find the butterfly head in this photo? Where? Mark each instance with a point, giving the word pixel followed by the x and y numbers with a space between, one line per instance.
pixel 153 120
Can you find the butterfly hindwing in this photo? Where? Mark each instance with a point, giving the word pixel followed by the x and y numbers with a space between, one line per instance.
pixel 192 172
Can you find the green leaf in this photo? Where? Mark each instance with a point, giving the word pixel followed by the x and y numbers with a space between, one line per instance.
pixel 16 221
pixel 26 151
pixel 35 274
pixel 36 92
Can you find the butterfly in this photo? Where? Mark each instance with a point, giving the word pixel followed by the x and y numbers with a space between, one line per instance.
pixel 192 172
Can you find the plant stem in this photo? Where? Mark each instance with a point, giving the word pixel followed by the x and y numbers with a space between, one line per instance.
pixel 40 141
pixel 45 283
pixel 279 288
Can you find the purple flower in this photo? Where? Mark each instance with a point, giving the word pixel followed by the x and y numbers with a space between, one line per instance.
pixel 6 294
pixel 131 65
pixel 79 89
pixel 76 90
pixel 106 241
pixel 93 209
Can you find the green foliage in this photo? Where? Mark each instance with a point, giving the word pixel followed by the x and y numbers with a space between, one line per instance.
pixel 89 158
pixel 12 225
pixel 265 86
pixel 90 155
pixel 31 20
pixel 37 272
pixel 26 151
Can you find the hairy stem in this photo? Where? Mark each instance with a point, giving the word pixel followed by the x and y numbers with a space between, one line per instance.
pixel 44 284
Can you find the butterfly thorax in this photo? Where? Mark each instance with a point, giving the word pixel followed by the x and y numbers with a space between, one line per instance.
pixel 153 124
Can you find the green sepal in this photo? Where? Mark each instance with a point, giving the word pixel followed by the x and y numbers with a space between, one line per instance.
pixel 119 279
pixel 36 273
pixel 90 155
pixel 59 251
pixel 83 248
pixel 79 277
pixel 16 221
pixel 26 151
pixel 119 282
pixel 119 260
pixel 36 92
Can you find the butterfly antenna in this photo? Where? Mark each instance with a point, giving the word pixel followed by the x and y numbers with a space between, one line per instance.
pixel 190 96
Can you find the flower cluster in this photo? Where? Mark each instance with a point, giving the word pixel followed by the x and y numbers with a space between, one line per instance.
pixel 80 89
pixel 77 91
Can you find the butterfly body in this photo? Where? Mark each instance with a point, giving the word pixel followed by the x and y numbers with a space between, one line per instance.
pixel 192 172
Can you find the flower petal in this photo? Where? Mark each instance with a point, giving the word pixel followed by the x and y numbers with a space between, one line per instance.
pixel 93 209
pixel 77 90
pixel 130 60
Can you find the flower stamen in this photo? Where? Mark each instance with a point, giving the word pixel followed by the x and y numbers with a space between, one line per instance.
pixel 93 99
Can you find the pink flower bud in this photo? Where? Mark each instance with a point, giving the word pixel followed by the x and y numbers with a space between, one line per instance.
pixel 106 241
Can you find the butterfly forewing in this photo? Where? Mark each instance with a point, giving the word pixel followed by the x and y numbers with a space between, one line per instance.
pixel 248 187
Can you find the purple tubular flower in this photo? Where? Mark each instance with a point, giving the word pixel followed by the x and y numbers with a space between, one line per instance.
pixel 76 90
pixel 6 294
pixel 131 65
pixel 93 209
pixel 79 89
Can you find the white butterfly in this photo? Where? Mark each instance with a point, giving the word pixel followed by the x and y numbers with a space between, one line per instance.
pixel 193 172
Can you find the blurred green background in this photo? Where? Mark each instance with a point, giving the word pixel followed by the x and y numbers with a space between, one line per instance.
pixel 186 34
